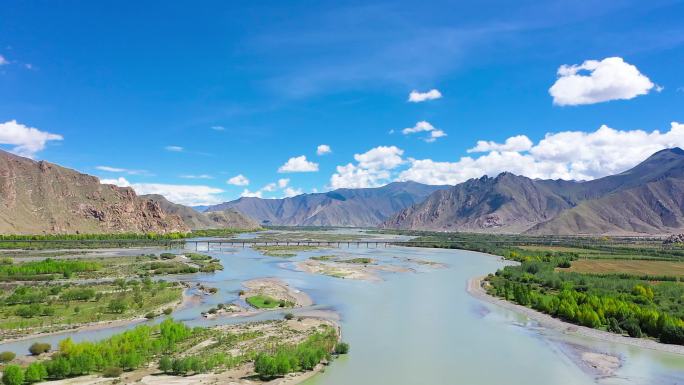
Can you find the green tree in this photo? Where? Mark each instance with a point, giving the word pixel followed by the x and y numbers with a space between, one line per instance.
pixel 13 375
pixel 165 364
pixel 35 372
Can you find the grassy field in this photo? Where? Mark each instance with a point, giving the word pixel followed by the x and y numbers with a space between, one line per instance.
pixel 635 267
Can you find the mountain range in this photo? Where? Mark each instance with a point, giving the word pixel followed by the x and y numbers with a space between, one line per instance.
pixel 362 207
pixel 647 199
pixel 195 220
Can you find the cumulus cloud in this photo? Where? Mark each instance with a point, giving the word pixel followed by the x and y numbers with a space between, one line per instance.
pixel 323 149
pixel 514 143
pixel 574 155
pixel 291 192
pixel 283 182
pixel 417 97
pixel 27 141
pixel 609 79
pixel 238 180
pixel 251 194
pixel 189 195
pixel 424 126
pixel 373 168
pixel 298 164
pixel 174 148
pixel 3 61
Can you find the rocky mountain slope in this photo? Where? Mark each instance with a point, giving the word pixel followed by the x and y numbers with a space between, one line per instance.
pixel 41 197
pixel 343 207
pixel 196 220
pixel 647 199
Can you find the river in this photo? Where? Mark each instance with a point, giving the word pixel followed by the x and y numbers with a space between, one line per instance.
pixel 422 327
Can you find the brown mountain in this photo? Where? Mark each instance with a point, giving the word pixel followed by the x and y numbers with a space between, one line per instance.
pixel 195 220
pixel 360 207
pixel 41 197
pixel 647 199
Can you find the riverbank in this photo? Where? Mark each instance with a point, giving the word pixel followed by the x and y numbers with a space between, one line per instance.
pixel 475 289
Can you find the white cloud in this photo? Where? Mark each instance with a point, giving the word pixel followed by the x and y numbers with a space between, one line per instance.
pixel 417 97
pixel 200 176
pixel 27 141
pixel 424 126
pixel 218 128
pixel 3 61
pixel 298 164
pixel 270 187
pixel 188 195
pixel 609 79
pixel 373 168
pixel 238 180
pixel 564 155
pixel 251 194
pixel 291 192
pixel 283 182
pixel 174 148
pixel 121 170
pixel 323 149
pixel 514 143
pixel 120 181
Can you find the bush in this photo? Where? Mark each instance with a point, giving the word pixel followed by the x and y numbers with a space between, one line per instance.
pixel 112 372
pixel 672 334
pixel 35 372
pixel 13 375
pixel 342 348
pixel 167 256
pixel 150 315
pixel 7 356
pixel 168 311
pixel 631 326
pixel 39 348
pixel 165 364
pixel 289 316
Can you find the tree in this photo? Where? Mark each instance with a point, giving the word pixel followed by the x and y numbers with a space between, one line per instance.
pixel 342 348
pixel 35 372
pixel 117 306
pixel 13 375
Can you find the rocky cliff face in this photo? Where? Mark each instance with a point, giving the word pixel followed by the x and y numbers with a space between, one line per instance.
pixel 195 220
pixel 41 197
pixel 647 199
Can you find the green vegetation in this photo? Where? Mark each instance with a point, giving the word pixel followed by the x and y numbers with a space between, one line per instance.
pixel 29 309
pixel 266 302
pixel 360 261
pixel 324 258
pixel 219 232
pixel 44 270
pixel 7 357
pixel 38 348
pixel 305 356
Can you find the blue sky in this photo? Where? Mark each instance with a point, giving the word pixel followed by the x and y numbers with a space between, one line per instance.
pixel 179 98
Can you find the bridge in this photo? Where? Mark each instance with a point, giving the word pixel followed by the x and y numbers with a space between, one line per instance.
pixel 232 243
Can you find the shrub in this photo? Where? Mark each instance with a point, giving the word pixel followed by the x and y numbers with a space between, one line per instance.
pixel 117 306
pixel 289 316
pixel 39 348
pixel 7 356
pixel 13 375
pixel 168 311
pixel 35 372
pixel 165 364
pixel 342 348
pixel 150 315
pixel 167 256
pixel 631 326
pixel 112 372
